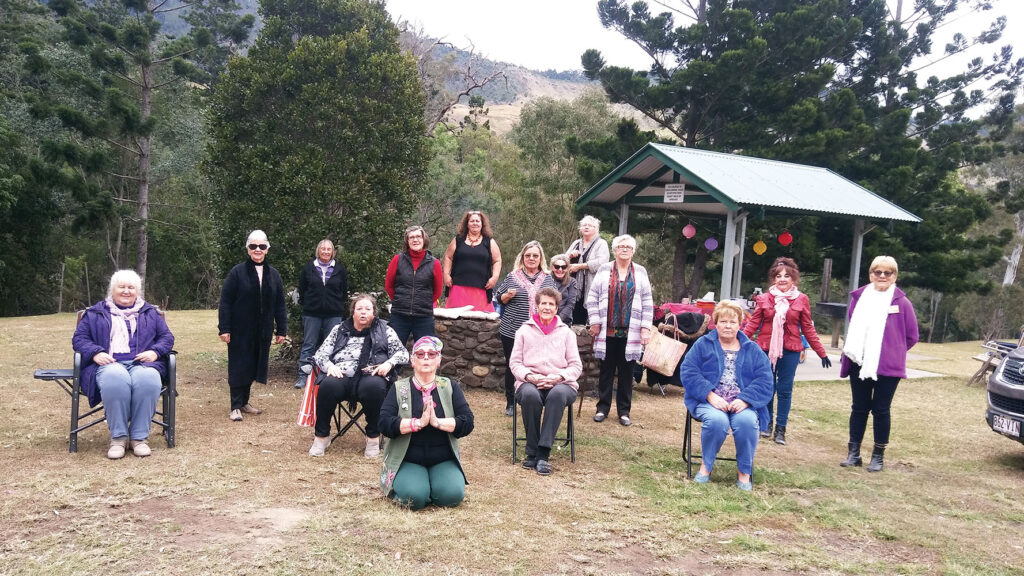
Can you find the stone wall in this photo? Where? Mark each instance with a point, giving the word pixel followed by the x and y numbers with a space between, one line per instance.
pixel 473 355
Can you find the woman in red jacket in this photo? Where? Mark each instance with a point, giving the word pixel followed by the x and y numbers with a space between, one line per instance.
pixel 780 316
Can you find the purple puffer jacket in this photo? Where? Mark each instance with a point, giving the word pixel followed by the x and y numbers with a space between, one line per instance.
pixel 899 337
pixel 92 336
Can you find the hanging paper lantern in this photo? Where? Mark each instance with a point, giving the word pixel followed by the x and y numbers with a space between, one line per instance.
pixel 689 231
pixel 760 247
pixel 785 238
pixel 711 244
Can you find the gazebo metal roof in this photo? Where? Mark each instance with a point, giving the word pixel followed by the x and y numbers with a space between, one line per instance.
pixel 734 187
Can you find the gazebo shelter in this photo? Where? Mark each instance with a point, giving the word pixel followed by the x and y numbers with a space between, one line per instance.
pixel 672 178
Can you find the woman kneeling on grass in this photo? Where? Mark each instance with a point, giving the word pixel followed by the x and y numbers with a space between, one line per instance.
pixel 728 383
pixel 423 418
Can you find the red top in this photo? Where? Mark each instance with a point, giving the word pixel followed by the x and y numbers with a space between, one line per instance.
pixel 798 318
pixel 389 278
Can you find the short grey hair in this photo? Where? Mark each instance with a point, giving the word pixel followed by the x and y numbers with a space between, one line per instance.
pixel 624 239
pixel 316 253
pixel 124 277
pixel 590 220
pixel 257 236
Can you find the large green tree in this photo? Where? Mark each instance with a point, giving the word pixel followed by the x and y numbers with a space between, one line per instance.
pixel 831 83
pixel 318 132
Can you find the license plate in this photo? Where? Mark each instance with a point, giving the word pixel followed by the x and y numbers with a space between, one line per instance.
pixel 1006 425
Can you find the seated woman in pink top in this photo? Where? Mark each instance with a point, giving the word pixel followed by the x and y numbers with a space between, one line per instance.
pixel 546 364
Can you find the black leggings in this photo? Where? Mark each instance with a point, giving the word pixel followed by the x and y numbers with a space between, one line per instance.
pixel 871 396
pixel 367 390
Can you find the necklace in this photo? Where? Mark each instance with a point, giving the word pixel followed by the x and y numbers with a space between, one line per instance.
pixel 474 241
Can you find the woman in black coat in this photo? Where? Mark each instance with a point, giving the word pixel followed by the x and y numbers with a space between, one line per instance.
pixel 251 301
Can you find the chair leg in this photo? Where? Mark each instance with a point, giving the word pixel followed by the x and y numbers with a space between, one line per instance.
pixel 571 432
pixel 76 393
pixel 515 431
pixel 688 446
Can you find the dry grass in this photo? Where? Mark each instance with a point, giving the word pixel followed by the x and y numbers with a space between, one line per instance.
pixel 246 499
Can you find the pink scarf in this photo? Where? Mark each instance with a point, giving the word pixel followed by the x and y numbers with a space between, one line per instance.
pixel 425 389
pixel 120 331
pixel 531 287
pixel 545 328
pixel 779 322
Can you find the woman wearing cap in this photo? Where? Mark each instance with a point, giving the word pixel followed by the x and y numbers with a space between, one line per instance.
pixel 424 416
pixel 413 283
pixel 779 317
pixel 472 264
pixel 567 287
pixel 251 303
pixel 880 329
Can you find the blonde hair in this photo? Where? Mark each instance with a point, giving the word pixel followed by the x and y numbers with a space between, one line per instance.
pixel 727 307
pixel 885 262
pixel 531 244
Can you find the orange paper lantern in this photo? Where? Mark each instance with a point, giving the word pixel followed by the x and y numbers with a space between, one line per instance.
pixel 760 247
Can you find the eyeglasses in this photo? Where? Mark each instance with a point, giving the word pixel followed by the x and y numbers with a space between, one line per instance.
pixel 624 247
pixel 259 246
pixel 560 266
pixel 531 255
pixel 421 354
pixel 883 273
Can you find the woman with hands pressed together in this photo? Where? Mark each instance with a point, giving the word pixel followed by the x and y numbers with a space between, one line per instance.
pixel 728 383
pixel 423 418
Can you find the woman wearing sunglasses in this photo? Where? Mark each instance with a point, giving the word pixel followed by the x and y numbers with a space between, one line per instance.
pixel 881 327
pixel 251 303
pixel 567 287
pixel 423 417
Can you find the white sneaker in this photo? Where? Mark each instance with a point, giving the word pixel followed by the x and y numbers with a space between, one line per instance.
pixel 140 448
pixel 235 415
pixel 372 447
pixel 116 450
pixel 319 445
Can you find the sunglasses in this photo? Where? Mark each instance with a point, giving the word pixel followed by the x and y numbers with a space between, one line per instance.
pixel 259 246
pixel 560 266
pixel 422 354
pixel 883 273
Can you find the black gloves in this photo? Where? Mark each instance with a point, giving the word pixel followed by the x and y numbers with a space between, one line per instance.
pixel 826 363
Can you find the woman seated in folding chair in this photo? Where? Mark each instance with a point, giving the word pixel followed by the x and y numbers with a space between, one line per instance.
pixel 124 343
pixel 728 381
pixel 546 364
pixel 356 364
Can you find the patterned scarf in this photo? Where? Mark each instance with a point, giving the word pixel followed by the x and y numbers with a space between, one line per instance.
pixel 123 322
pixel 531 285
pixel 782 300
pixel 425 389
pixel 621 300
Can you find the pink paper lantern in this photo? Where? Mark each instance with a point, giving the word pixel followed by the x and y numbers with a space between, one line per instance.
pixel 689 231
pixel 711 244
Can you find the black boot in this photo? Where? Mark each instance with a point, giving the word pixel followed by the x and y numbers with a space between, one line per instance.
pixel 780 435
pixel 766 433
pixel 876 458
pixel 853 458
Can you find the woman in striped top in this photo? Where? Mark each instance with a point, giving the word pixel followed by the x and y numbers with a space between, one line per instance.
pixel 517 293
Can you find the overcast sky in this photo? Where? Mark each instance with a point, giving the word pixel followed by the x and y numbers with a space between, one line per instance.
pixel 545 34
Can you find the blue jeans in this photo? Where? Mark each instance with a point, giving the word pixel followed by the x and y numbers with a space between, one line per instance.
pixel 129 392
pixel 715 426
pixel 785 370
pixel 314 332
pixel 418 326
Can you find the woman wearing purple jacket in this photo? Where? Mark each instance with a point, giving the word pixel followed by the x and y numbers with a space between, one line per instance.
pixel 881 328
pixel 124 343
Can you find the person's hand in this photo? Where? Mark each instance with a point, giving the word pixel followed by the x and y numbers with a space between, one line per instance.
pixel 737 406
pixel 226 337
pixel 718 402
pixel 573 254
pixel 594 329
pixel 147 356
pixel 549 381
pixel 448 280
pixel 102 358
pixel 278 339
pixel 645 336
pixel 491 282
pixel 427 417
pixel 508 296
pixel 335 372
pixel 383 369
pixel 825 362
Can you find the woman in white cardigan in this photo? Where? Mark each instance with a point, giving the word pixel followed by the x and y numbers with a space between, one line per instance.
pixel 620 307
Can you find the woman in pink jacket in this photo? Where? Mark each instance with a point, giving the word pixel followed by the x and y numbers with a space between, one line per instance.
pixel 780 315
pixel 546 364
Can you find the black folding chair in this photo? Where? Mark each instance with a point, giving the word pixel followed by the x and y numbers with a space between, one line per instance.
pixel 347 412
pixel 568 440
pixel 688 455
pixel 70 380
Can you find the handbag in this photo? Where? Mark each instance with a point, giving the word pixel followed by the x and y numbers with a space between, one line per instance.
pixel 663 354
pixel 307 410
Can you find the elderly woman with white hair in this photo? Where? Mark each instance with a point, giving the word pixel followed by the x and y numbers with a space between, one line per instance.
pixel 620 305
pixel 586 254
pixel 124 343
pixel 251 302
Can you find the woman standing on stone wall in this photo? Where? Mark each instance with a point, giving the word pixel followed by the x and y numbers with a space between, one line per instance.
pixel 517 293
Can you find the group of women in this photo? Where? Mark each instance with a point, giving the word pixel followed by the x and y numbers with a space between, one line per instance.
pixel 731 381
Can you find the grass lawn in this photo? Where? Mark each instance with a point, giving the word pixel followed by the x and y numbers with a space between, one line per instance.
pixel 245 498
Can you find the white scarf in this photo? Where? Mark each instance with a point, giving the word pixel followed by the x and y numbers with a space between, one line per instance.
pixel 782 299
pixel 867 327
pixel 123 322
